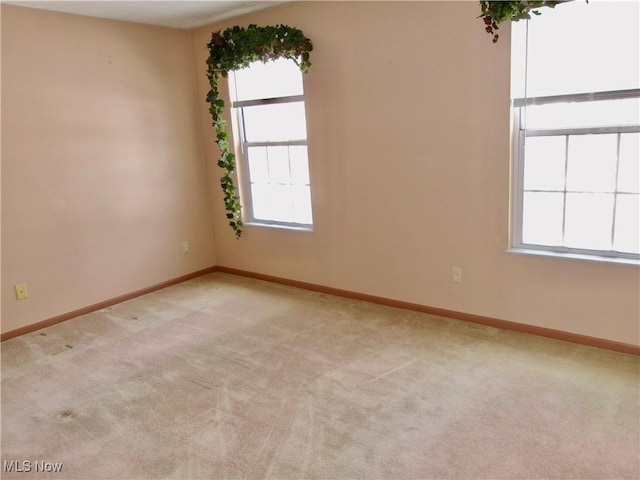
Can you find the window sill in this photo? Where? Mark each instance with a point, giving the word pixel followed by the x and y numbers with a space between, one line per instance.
pixel 575 256
pixel 280 226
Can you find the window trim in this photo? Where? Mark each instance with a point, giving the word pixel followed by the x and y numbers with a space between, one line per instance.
pixel 520 133
pixel 577 97
pixel 267 101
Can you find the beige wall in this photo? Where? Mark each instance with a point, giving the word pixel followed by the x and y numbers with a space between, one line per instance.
pixel 408 118
pixel 103 172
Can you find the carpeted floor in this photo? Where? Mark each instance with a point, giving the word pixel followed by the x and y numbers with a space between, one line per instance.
pixel 228 377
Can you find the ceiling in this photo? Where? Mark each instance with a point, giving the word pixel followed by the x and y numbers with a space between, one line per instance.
pixel 169 13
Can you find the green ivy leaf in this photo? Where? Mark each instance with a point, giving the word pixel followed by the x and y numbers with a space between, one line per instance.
pixel 495 12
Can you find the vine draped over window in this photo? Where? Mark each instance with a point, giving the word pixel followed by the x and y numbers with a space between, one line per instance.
pixel 495 12
pixel 233 49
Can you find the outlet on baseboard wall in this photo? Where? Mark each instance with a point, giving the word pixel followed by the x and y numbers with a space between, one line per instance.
pixel 185 247
pixel 21 291
pixel 456 275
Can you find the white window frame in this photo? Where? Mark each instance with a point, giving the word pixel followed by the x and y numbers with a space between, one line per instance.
pixel 521 133
pixel 248 217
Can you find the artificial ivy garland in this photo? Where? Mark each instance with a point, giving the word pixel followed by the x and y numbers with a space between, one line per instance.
pixel 495 12
pixel 233 49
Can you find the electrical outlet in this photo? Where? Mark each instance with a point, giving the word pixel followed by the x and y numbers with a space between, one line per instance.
pixel 185 247
pixel 21 291
pixel 456 274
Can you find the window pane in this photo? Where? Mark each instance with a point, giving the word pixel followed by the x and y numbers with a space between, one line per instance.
pixel 544 163
pixel 589 218
pixel 302 204
pixel 629 168
pixel 542 219
pixel 299 165
pixel 272 202
pixel 282 202
pixel 627 230
pixel 258 169
pixel 278 158
pixel 592 163
pixel 275 123
pixel 602 51
pixel 602 113
pixel 279 78
pixel 261 201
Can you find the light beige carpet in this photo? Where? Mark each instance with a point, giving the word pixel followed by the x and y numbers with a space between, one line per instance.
pixel 227 377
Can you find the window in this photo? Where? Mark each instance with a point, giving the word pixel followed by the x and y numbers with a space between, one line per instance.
pixel 271 128
pixel 576 102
